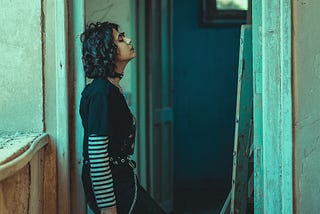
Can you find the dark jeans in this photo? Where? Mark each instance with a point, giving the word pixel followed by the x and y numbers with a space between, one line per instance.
pixel 131 197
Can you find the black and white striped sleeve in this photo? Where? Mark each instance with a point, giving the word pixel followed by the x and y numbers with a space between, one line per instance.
pixel 98 156
pixel 100 172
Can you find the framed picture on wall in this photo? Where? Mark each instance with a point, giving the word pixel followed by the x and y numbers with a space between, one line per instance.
pixel 223 12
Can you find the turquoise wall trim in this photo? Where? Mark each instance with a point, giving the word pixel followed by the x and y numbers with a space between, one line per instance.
pixel 286 106
pixel 257 107
pixel 76 26
pixel 140 87
pixel 273 118
pixel 62 112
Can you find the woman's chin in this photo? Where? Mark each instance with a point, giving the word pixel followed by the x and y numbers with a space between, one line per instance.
pixel 133 55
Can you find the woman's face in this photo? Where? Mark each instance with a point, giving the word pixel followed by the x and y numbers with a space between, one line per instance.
pixel 125 48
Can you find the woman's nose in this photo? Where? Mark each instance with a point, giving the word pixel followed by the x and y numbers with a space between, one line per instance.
pixel 127 40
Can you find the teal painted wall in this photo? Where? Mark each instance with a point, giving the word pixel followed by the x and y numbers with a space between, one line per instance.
pixel 272 106
pixel 306 105
pixel 21 66
pixel 205 77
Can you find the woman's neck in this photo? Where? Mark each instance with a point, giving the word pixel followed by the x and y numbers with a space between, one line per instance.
pixel 114 80
pixel 120 66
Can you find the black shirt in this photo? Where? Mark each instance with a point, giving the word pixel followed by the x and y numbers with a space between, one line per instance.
pixel 104 111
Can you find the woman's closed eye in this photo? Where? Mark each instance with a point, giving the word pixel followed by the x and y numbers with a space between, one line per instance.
pixel 121 37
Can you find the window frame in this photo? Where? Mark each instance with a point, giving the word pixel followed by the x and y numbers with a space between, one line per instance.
pixel 219 18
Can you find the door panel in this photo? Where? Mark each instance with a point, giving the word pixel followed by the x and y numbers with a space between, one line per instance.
pixel 159 77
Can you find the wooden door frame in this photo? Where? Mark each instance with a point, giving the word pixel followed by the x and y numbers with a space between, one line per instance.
pixel 77 78
pixel 140 92
pixel 271 24
pixel 150 63
pixel 62 112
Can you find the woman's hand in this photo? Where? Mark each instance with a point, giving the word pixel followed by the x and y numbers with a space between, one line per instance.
pixel 109 210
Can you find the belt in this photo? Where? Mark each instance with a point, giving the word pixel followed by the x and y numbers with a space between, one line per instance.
pixel 123 161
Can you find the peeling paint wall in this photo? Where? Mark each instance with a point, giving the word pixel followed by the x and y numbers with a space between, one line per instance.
pixel 20 66
pixel 306 73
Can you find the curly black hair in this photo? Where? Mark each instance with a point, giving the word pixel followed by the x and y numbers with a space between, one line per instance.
pixel 99 50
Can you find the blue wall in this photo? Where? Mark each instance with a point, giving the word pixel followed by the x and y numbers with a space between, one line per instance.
pixel 205 77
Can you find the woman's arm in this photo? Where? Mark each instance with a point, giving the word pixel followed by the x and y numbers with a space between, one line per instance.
pixel 100 172
pixel 98 153
pixel 111 210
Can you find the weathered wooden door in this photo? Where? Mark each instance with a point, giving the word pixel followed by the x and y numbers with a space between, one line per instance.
pixel 159 98
pixel 272 106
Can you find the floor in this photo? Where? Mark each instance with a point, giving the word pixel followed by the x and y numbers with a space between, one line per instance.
pixel 205 197
pixel 214 209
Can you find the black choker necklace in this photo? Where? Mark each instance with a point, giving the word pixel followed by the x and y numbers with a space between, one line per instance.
pixel 119 75
pixel 116 83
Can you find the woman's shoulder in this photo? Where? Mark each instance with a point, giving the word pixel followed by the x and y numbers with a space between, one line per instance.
pixel 97 86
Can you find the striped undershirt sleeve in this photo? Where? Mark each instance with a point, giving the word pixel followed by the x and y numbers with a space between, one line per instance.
pixel 100 172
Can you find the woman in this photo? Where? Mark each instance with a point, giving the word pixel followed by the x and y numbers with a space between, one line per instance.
pixel 109 127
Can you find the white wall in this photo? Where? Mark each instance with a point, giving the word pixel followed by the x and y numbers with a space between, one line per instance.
pixel 306 72
pixel 20 66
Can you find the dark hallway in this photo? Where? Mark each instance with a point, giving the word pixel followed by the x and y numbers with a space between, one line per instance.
pixel 205 79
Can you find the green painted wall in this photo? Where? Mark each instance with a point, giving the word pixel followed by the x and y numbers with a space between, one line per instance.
pixel 306 72
pixel 20 66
